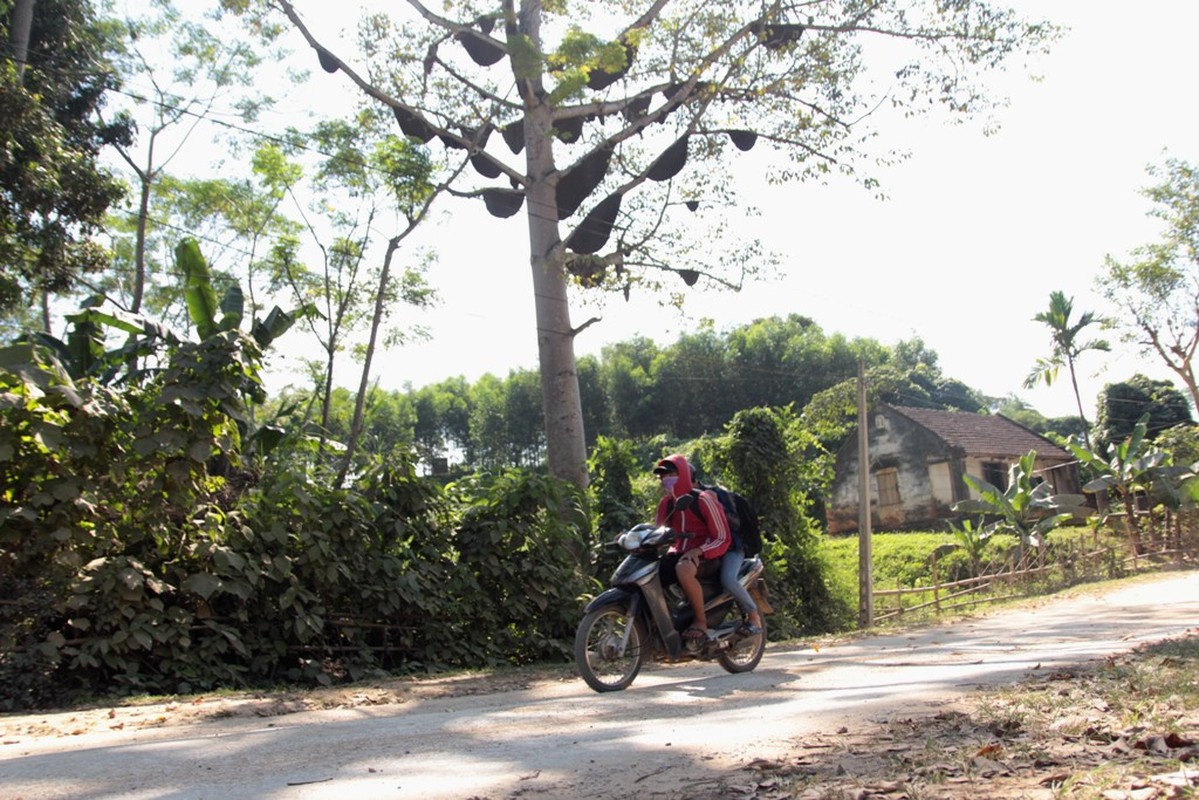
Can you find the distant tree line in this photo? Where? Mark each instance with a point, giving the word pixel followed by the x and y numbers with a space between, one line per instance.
pixel 643 388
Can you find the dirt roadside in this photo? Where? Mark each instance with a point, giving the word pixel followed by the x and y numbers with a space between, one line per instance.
pixel 160 713
pixel 998 742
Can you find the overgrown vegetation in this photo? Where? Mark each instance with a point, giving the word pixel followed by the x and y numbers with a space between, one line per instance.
pixel 157 538
pixel 920 575
pixel 151 540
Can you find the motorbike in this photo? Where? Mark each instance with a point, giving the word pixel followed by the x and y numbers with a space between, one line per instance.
pixel 638 620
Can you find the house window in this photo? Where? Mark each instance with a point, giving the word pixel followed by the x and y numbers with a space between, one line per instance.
pixel 887 481
pixel 995 473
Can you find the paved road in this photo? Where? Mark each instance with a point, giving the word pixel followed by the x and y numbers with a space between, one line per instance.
pixel 561 740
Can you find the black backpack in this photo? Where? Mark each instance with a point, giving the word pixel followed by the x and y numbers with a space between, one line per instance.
pixel 743 520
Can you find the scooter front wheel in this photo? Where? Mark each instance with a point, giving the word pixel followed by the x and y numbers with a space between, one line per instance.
pixel 745 653
pixel 601 661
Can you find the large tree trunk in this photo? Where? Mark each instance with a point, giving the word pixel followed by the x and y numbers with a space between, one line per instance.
pixel 565 441
pixel 566 447
pixel 22 25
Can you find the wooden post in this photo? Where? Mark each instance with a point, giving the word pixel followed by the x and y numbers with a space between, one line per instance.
pixel 936 585
pixel 865 556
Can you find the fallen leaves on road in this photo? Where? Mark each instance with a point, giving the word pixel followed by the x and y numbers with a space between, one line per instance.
pixel 1122 729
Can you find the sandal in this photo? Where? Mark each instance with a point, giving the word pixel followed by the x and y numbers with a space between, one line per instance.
pixel 694 634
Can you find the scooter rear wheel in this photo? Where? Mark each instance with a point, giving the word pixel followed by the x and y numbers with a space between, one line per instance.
pixel 597 648
pixel 744 655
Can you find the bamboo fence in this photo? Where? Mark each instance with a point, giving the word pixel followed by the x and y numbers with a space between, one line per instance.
pixel 1026 576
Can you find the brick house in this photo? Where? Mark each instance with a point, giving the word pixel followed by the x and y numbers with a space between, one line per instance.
pixel 918 457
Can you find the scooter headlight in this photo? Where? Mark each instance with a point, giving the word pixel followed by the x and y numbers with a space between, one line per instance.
pixel 634 537
pixel 631 540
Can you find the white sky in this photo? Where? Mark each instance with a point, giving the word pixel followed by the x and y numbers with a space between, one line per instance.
pixel 976 233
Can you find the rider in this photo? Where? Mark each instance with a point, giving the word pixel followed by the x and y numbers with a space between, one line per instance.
pixel 697 557
pixel 730 569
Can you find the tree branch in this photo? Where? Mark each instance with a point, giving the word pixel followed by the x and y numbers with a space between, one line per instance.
pixel 372 91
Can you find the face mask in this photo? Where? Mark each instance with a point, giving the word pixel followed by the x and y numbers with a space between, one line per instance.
pixel 669 481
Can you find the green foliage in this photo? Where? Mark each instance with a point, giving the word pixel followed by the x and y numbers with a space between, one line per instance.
pixel 197 288
pixel 612 463
pixel 1181 442
pixel 631 391
pixel 1067 346
pixel 102 489
pixel 125 513
pixel 904 375
pixel 1134 466
pixel 135 556
pixel 578 55
pixel 1122 404
pixel 519 558
pixel 200 293
pixel 56 191
pixel 971 536
pixel 906 559
pixel 329 583
pixel 1025 509
pixel 903 560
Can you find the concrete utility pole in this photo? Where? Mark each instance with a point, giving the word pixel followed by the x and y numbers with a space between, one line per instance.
pixel 22 24
pixel 865 554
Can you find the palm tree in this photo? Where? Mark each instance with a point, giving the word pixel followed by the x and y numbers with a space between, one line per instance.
pixel 1066 348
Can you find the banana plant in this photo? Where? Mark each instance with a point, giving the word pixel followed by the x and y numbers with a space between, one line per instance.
pixel 1028 510
pixel 1127 469
pixel 83 353
pixel 971 536
pixel 211 318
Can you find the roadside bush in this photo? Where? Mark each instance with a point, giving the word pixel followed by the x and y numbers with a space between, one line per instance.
pixel 138 554
pixel 100 492
pixel 518 557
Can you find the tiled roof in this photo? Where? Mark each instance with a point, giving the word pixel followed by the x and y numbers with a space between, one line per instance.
pixel 982 434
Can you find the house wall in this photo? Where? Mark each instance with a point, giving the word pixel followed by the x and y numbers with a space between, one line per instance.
pixel 941 482
pixel 975 469
pixel 1062 475
pixel 923 469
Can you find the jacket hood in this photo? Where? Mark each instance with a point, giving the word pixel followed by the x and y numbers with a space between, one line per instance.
pixel 680 464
